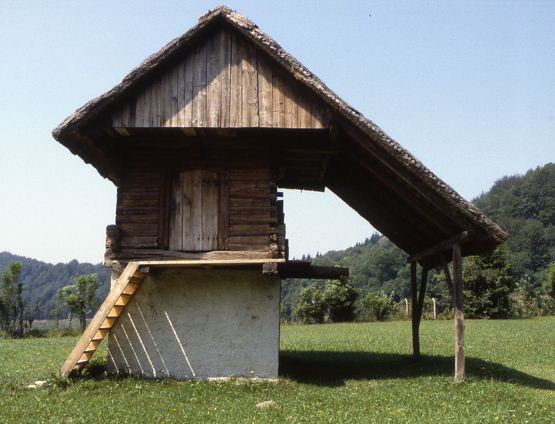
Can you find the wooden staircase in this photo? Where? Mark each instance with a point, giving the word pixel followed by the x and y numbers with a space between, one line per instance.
pixel 104 319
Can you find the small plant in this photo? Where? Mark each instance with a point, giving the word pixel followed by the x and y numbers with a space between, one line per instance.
pixel 59 382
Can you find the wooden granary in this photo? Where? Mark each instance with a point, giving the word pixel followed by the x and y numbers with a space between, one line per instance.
pixel 199 139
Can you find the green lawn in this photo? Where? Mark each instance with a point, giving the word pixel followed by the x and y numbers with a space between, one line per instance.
pixel 335 373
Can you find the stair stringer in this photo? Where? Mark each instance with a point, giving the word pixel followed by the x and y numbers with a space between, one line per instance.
pixel 103 320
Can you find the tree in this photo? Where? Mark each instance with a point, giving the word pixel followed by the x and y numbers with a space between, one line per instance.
pixel 10 297
pixel 31 314
pixel 526 300
pixel 57 305
pixel 488 285
pixel 340 297
pixel 81 296
pixel 312 307
pixel 15 315
pixel 19 309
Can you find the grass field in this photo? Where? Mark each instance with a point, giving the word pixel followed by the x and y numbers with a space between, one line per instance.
pixel 335 373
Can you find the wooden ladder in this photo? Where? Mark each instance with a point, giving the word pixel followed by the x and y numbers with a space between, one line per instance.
pixel 103 320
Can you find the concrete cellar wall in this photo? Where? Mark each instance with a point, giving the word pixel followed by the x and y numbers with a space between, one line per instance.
pixel 195 323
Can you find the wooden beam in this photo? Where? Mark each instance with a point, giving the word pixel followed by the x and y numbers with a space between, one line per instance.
pixel 207 263
pixel 448 278
pixel 417 306
pixel 142 255
pixel 459 314
pixel 463 237
pixel 414 306
pixel 422 293
pixel 400 164
pixel 398 188
pixel 304 269
pixel 369 202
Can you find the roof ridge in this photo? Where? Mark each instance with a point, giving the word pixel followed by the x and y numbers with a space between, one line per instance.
pixel 222 9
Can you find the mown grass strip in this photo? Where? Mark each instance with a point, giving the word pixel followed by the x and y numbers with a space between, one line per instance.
pixel 348 373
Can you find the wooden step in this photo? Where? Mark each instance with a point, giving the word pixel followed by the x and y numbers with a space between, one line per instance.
pixel 130 289
pixel 93 345
pixel 100 334
pixel 108 323
pixel 115 311
pixel 123 299
pixel 86 356
pixel 139 275
pixel 104 319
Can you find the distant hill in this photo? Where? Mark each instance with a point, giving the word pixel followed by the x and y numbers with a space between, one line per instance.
pixel 41 280
pixel 524 205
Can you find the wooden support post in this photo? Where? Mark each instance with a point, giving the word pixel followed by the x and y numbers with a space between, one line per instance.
pixel 421 294
pixel 414 307
pixel 447 277
pixel 417 306
pixel 459 314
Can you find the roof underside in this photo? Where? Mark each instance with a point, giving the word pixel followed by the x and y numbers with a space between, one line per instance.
pixel 340 150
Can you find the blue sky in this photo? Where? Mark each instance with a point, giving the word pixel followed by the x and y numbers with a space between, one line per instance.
pixel 467 87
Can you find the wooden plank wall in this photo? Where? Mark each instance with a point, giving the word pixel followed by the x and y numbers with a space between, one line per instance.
pixel 142 210
pixel 223 82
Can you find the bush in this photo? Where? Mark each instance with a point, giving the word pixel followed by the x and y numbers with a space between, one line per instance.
pixel 312 307
pixel 379 306
pixel 549 285
pixel 488 285
pixel 340 298
pixel 336 303
pixel 525 300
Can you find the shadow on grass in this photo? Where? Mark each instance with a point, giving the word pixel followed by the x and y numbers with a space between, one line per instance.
pixel 333 368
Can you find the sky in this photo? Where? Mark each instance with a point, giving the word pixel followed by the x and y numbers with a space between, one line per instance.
pixel 466 87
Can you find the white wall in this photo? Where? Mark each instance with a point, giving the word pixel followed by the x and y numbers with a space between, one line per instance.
pixel 191 322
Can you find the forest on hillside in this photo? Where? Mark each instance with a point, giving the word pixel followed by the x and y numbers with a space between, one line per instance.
pixel 522 268
pixel 42 280
pixel 524 205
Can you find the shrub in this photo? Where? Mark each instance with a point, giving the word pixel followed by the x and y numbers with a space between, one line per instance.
pixel 379 306
pixel 312 307
pixel 340 298
pixel 549 285
pixel 487 285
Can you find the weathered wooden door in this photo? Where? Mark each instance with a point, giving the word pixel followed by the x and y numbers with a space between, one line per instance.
pixel 196 211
